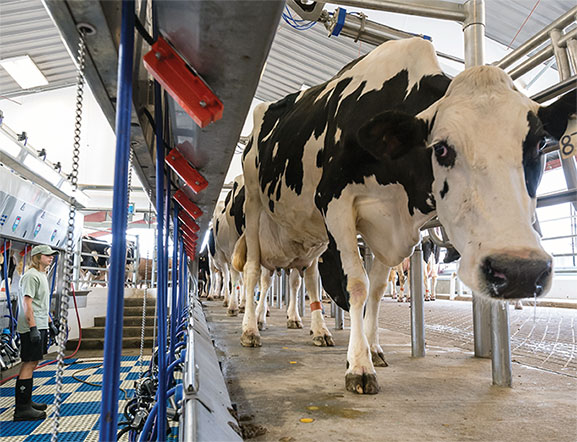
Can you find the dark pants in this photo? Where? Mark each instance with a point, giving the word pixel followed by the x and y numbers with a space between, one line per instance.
pixel 30 352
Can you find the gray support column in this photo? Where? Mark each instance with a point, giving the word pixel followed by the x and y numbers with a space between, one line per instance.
pixel 474 33
pixel 301 299
pixel 572 52
pixel 339 317
pixel 501 360
pixel 417 304
pixel 333 309
pixel 568 164
pixel 482 326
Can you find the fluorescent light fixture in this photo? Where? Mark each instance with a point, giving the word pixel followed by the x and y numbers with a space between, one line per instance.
pixel 24 71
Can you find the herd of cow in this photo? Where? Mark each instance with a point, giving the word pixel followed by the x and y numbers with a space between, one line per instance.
pixel 384 146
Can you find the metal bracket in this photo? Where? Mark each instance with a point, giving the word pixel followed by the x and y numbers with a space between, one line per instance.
pixel 183 83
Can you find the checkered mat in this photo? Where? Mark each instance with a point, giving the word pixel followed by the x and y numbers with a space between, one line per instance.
pixel 80 408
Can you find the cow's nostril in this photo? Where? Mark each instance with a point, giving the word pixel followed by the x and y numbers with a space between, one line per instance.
pixel 542 279
pixel 508 276
pixel 497 279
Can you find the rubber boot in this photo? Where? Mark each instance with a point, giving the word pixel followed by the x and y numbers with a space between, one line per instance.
pixel 24 410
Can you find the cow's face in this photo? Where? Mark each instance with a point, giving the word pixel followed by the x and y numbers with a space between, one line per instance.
pixel 487 162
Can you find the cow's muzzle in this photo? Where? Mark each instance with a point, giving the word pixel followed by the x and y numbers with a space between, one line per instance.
pixel 510 277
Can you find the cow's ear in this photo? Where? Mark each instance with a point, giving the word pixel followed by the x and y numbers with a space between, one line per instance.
pixel 392 134
pixel 554 117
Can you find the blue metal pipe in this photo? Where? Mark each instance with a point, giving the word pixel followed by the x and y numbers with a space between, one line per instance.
pixel 177 390
pixel 7 289
pixel 115 307
pixel 175 268
pixel 162 264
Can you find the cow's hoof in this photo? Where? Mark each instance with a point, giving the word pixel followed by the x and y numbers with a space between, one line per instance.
pixel 433 299
pixel 261 325
pixel 378 359
pixel 362 383
pixel 210 298
pixel 294 324
pixel 250 339
pixel 232 312
pixel 268 312
pixel 427 299
pixel 241 309
pixel 323 341
pixel 225 303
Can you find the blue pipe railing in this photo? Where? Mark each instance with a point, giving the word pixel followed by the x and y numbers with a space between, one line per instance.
pixel 7 289
pixel 175 268
pixel 144 435
pixel 115 307
pixel 162 264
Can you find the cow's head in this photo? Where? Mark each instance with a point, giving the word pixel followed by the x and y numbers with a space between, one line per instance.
pixel 487 140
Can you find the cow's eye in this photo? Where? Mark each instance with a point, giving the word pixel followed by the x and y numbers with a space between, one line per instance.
pixel 441 150
pixel 444 154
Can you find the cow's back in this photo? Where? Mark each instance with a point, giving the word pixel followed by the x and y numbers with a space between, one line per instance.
pixel 304 148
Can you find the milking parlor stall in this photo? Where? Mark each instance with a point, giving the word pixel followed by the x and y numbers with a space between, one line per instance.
pixel 291 221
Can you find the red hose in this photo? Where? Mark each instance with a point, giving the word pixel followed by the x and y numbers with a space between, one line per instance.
pixel 3 381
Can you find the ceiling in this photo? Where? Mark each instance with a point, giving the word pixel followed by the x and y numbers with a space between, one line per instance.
pixel 295 58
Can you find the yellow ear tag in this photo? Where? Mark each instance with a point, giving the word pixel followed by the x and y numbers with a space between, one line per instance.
pixel 307 420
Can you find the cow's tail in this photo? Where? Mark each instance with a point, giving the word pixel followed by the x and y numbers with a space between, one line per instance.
pixel 239 254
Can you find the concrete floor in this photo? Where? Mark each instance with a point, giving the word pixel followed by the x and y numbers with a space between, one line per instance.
pixel 446 396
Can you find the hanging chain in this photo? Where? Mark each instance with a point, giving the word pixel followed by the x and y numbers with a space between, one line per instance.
pixel 130 160
pixel 69 257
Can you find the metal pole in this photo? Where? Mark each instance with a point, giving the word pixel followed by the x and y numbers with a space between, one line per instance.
pixel 161 290
pixel 568 164
pixel 301 300
pixel 534 42
pixel 482 326
pixel 572 52
pixel 173 306
pixel 115 307
pixel 417 304
pixel 501 360
pixel 474 33
pixel 436 9
pixel 339 318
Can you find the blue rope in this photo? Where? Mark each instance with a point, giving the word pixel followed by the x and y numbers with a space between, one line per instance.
pixel 299 25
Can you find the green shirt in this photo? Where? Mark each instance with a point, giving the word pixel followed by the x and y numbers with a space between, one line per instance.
pixel 35 285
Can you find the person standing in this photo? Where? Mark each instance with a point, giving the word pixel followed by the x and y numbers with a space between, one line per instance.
pixel 34 324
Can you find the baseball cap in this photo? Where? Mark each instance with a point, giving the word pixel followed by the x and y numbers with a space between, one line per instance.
pixel 43 250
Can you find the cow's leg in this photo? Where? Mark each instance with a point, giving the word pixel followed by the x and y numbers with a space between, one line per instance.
pixel 378 278
pixel 225 288
pixel 261 308
pixel 233 298
pixel 293 318
pixel 321 335
pixel 252 267
pixel 360 376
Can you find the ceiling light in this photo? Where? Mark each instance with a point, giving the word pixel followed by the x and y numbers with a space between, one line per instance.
pixel 23 70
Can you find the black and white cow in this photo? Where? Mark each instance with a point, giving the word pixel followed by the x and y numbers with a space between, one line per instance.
pixel 378 150
pixel 228 225
pixel 91 249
